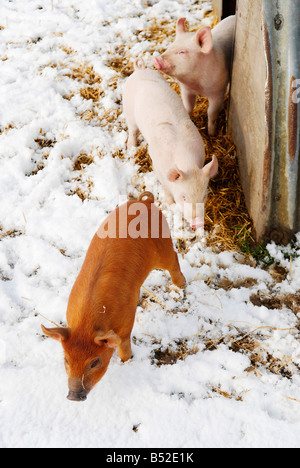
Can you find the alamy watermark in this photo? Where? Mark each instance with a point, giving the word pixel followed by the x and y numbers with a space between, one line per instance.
pixel 136 220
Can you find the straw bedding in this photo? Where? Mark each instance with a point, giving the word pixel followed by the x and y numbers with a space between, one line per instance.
pixel 226 217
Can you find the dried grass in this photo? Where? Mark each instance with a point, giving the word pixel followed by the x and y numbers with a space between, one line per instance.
pixel 91 92
pixel 9 233
pixel 121 60
pixel 143 159
pixel 83 160
pixel 68 50
pixel 158 33
pixel 154 297
pixel 80 183
pixel 226 216
pixel 44 142
pixel 82 188
pixel 121 65
pixel 171 354
pixel 252 344
pixel 274 301
pixel 229 396
pixel 39 165
pixel 84 73
pixel 7 128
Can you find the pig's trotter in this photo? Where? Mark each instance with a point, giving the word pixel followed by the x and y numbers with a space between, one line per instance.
pixel 180 281
pixel 188 99
pixel 124 350
pixel 212 128
pixel 214 109
pixel 132 138
pixel 177 277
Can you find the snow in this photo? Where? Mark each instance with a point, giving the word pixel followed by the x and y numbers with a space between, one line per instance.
pixel 215 397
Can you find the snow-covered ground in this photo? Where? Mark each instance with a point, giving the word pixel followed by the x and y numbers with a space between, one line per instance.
pixel 216 366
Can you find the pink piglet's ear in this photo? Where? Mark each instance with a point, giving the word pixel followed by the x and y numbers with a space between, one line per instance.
pixel 204 38
pixel 110 339
pixel 211 168
pixel 180 26
pixel 174 174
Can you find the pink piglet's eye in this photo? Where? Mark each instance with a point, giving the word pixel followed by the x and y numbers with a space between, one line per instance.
pixel 181 51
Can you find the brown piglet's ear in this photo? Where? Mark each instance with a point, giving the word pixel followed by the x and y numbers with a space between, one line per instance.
pixel 59 334
pixel 110 339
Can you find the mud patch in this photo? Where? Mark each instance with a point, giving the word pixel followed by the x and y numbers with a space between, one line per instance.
pixel 291 301
pixel 253 345
pixel 173 353
pixel 227 284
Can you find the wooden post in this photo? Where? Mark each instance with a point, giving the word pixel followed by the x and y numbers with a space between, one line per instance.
pixel 218 8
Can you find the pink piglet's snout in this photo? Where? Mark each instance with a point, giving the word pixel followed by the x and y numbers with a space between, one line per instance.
pixel 159 63
pixel 197 223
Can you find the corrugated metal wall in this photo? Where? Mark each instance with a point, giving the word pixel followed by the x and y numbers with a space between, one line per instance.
pixel 264 115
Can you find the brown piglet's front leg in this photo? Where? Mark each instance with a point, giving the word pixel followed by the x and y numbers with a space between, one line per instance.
pixel 177 277
pixel 169 261
pixel 124 350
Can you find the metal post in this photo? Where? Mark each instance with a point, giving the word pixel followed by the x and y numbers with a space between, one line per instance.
pixel 264 116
